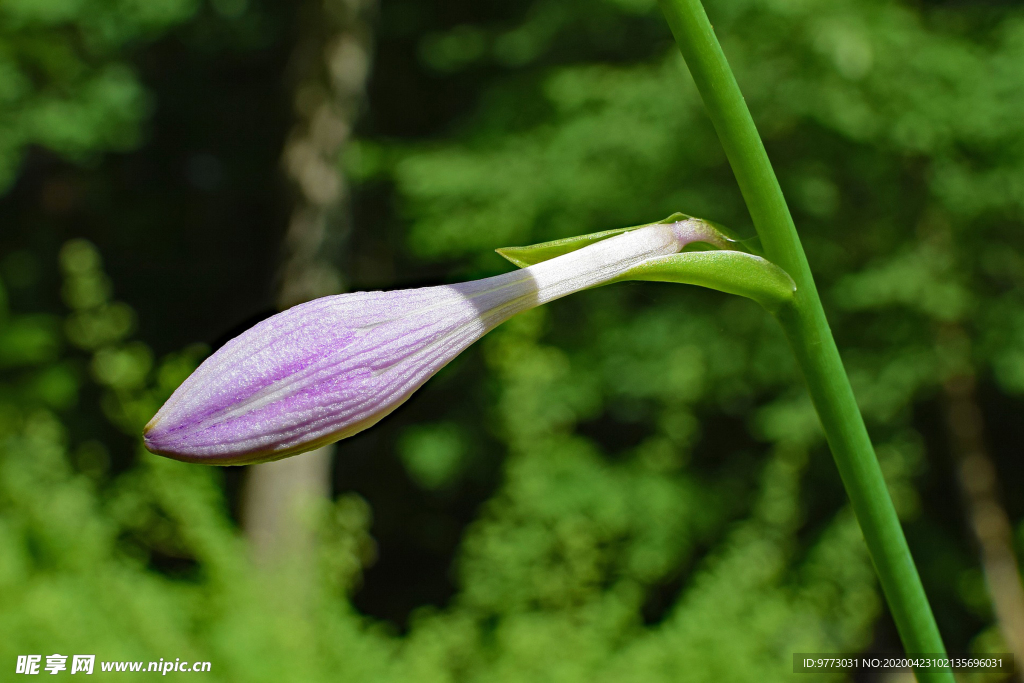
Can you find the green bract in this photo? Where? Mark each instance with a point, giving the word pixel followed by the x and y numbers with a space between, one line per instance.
pixel 721 268
pixel 535 253
pixel 733 272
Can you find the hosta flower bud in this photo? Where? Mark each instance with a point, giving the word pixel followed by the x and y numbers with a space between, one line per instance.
pixel 326 369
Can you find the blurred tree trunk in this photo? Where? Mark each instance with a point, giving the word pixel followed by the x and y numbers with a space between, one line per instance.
pixel 976 475
pixel 328 73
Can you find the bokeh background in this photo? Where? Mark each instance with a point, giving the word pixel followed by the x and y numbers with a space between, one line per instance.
pixel 626 485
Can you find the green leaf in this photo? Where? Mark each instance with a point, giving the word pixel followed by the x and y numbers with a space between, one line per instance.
pixel 535 253
pixel 733 272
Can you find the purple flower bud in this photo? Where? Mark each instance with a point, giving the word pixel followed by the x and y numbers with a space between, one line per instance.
pixel 329 368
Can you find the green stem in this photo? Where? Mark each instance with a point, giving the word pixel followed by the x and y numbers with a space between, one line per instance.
pixel 807 329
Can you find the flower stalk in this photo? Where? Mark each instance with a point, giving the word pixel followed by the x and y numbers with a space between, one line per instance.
pixel 810 337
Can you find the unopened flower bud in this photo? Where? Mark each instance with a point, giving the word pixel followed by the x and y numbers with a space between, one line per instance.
pixel 329 368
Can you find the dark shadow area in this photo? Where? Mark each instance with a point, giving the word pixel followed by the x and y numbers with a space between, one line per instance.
pixel 418 530
pixel 190 223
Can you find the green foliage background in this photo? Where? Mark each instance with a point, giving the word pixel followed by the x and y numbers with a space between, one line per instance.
pixel 626 485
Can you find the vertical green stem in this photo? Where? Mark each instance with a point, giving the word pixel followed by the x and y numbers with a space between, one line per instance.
pixel 809 334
